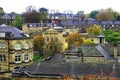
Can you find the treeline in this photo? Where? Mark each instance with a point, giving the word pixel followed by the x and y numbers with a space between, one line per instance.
pixel 104 14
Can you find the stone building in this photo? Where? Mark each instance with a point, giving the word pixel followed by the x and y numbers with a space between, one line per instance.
pixel 16 49
pixel 60 67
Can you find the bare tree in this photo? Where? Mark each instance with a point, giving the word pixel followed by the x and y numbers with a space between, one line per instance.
pixel 30 8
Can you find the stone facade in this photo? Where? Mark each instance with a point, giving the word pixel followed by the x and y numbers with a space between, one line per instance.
pixel 54 38
pixel 16 49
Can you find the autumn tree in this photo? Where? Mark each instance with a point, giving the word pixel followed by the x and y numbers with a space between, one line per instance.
pixel 31 17
pixel 74 39
pixel 94 30
pixel 55 47
pixel 107 14
pixel 39 42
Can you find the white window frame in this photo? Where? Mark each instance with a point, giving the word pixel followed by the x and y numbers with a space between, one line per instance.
pixel 26 57
pixel 18 46
pixel 26 45
pixel 4 45
pixel 18 58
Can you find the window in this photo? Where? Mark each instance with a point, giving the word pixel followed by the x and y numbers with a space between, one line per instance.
pixel 2 58
pixel 26 56
pixel 17 46
pixel 2 45
pixel 47 39
pixel 18 58
pixel 52 39
pixel 26 46
pixel 2 34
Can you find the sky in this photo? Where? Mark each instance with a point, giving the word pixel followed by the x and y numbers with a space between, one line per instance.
pixel 19 6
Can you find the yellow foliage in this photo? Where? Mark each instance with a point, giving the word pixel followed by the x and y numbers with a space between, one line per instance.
pixel 88 41
pixel 66 45
pixel 94 30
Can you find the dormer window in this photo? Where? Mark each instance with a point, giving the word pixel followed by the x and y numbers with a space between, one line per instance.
pixel 17 46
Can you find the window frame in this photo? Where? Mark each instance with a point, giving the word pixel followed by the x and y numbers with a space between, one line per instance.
pixel 17 46
pixel 2 58
pixel 26 57
pixel 26 45
pixel 18 58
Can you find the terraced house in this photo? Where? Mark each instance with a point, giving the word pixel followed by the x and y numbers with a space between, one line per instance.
pixel 16 49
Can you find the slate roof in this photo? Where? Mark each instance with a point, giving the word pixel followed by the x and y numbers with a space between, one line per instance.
pixel 79 23
pixel 6 16
pixel 15 33
pixel 39 69
pixel 67 23
pixel 96 50
pixel 58 65
pixel 88 22
pixel 87 50
pixel 117 22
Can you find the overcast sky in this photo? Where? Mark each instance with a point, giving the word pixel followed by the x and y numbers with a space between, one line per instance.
pixel 61 5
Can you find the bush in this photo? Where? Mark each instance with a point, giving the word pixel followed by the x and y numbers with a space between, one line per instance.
pixel 37 58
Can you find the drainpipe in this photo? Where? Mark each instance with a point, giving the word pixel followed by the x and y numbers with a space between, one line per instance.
pixel 115 50
pixel 8 55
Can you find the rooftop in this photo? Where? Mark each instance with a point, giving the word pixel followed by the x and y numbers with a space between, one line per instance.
pixel 13 31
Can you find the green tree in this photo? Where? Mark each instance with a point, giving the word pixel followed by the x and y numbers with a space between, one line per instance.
pixel 18 22
pixel 1 11
pixel 43 14
pixel 93 14
pixel 1 14
pixel 74 39
pixel 112 37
